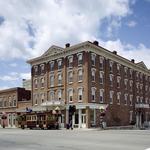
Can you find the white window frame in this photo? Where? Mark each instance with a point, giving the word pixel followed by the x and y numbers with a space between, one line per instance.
pixel 80 93
pixel 80 75
pixel 131 100
pixel 111 95
pixel 52 95
pixel 70 95
pixel 93 71
pixel 59 77
pixel 101 95
pixel 111 79
pixel 93 94
pixel 111 65
pixel 51 81
pixel 126 99
pixel 70 61
pixel 59 64
pixel 51 63
pixel 118 97
pixel 101 61
pixel 101 76
pixel 93 59
pixel 70 77
pixel 80 59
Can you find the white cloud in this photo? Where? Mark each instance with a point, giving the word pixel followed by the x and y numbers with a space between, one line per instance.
pixel 14 76
pixel 13 65
pixel 132 23
pixel 4 87
pixel 129 51
pixel 30 27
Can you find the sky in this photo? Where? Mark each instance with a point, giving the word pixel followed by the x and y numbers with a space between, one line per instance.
pixel 29 27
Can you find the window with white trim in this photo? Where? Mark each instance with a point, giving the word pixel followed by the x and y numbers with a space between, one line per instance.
pixel 111 66
pixel 93 74
pixel 125 71
pixel 52 95
pixel 101 73
pixel 125 98
pixel 126 83
pixel 52 66
pixel 101 61
pixel 131 85
pixel 131 73
pixel 10 101
pixel 59 64
pixel 93 58
pixel 42 82
pixel 131 100
pixel 36 69
pixel 111 93
pixel 51 80
pixel 14 101
pixel 93 94
pixel 80 58
pixel 80 94
pixel 137 75
pixel 59 94
pixel 118 81
pixel 70 95
pixel 141 76
pixel 70 76
pixel 70 61
pixel 35 83
pixel 59 79
pixel 42 68
pixel 101 95
pixel 118 97
pixel 111 79
pixel 118 68
pixel 131 116
pixel 80 75
pixel 35 99
pixel 137 99
pixel 141 100
pixel 141 87
pixel 1 102
pixel 42 97
pixel 137 86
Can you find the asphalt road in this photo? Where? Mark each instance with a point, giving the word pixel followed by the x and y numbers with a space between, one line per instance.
pixel 17 139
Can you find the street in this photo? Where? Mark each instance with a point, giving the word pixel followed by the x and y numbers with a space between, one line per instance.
pixel 17 139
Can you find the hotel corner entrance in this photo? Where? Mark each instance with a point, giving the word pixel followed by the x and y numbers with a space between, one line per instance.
pixel 79 118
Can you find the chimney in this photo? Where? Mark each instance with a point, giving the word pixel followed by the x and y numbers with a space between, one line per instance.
pixel 67 45
pixel 132 60
pixel 96 43
pixel 114 52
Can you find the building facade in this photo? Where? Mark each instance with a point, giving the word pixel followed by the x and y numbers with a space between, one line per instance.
pixel 11 100
pixel 90 77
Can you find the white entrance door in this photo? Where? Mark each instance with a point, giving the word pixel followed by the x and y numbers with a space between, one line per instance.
pixel 61 121
pixel 83 121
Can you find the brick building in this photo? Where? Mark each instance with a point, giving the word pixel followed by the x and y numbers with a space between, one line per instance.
pixel 90 77
pixel 11 100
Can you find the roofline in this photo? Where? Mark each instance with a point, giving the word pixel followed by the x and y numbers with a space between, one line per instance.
pixel 11 89
pixel 95 46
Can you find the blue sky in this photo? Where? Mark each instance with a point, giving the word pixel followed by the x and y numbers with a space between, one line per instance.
pixel 28 28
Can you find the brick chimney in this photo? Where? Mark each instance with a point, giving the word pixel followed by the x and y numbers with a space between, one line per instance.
pixel 114 52
pixel 96 43
pixel 67 45
pixel 132 60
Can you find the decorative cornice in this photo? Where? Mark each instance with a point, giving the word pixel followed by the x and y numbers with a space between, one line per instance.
pixel 90 47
